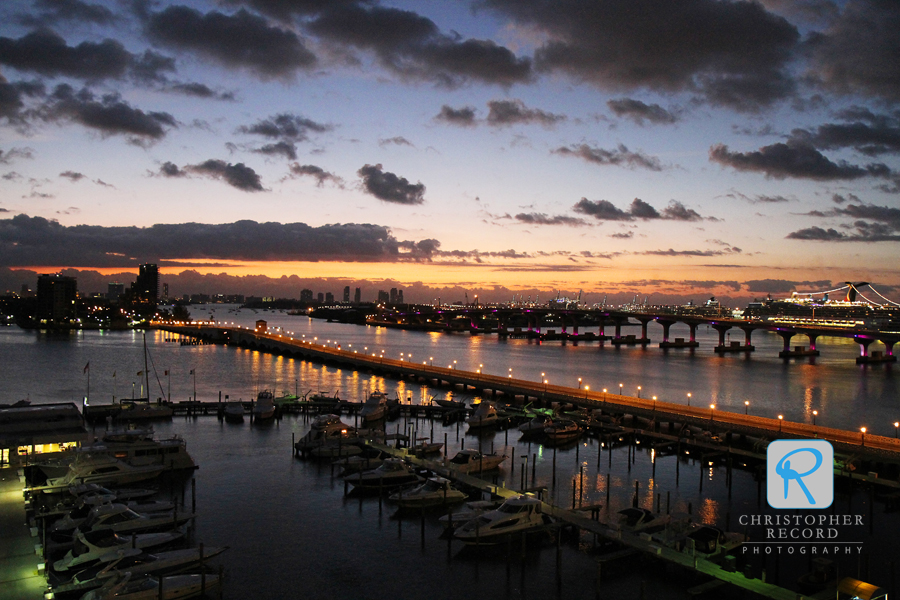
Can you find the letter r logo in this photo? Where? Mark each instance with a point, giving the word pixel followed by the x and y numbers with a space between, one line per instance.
pixel 800 474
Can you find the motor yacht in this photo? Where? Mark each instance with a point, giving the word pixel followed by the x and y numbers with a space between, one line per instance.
pixel 518 515
pixel 392 472
pixel 473 461
pixel 435 491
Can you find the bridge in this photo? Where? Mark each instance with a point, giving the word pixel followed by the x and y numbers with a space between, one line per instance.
pixel 851 442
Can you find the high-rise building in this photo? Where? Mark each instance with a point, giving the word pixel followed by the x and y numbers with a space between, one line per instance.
pixel 383 296
pixel 166 293
pixel 347 294
pixel 321 297
pixel 357 296
pixel 393 296
pixel 306 295
pixel 56 296
pixel 145 289
pixel 399 296
pixel 114 291
pixel 329 298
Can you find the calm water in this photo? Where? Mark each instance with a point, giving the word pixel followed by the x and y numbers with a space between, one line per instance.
pixel 292 531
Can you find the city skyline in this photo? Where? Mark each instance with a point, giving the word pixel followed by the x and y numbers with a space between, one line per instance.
pixel 711 148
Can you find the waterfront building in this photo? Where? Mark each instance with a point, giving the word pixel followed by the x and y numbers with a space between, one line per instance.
pixel 357 296
pixel 347 294
pixel 56 296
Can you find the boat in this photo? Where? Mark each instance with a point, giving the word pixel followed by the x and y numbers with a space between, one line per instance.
pixel 485 415
pixel 426 447
pixel 264 407
pixel 141 409
pixel 470 510
pixel 562 430
pixel 375 408
pixel 449 404
pixel 518 515
pixel 434 491
pixel 324 430
pixel 90 547
pixel 102 469
pixel 336 449
pixel 234 411
pixel 391 473
pixel 473 461
pixel 636 520
pixel 360 462
pixel 122 519
pixel 708 540
pixel 137 562
pixel 84 506
pixel 171 587
pixel 88 491
pixel 535 426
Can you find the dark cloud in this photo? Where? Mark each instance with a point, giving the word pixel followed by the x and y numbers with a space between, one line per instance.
pixel 28 240
pixel 45 52
pixel 72 176
pixel 241 40
pixel 655 44
pixel 782 286
pixel 794 160
pixel 620 156
pixel 464 116
pixel 639 112
pixel 413 47
pixel 8 156
pixel 858 53
pixel 55 11
pixel 625 235
pixel 110 115
pixel 320 174
pixel 285 126
pixel 671 252
pixel 238 175
pixel 544 219
pixel 513 112
pixel 286 10
pixel 386 186
pixel 880 135
pixel 396 141
pixel 198 90
pixel 170 169
pixel 285 149
pixel 865 232
pixel 604 210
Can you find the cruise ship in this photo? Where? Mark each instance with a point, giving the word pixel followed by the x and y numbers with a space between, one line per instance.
pixel 820 310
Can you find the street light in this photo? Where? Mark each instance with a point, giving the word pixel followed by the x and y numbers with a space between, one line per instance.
pixel 746 407
pixel 815 414
pixel 863 432
pixel 712 407
pixel 689 398
pixel 896 428
pixel 432 361
pixel 579 383
pixel 654 405
pixel 586 389
pixel 639 391
pixel 780 421
pixel 620 388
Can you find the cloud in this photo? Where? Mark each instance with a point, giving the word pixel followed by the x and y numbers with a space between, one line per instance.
pixel 241 40
pixel 286 10
pixel 45 52
pixel 604 210
pixel 110 115
pixel 285 126
pixel 198 90
pixel 237 175
pixel 655 45
pixel 624 235
pixel 463 117
pixel 782 286
pixel 285 149
pixel 640 112
pixel 397 141
pixel 386 186
pixel 55 11
pixel 858 53
pixel 72 176
pixel 28 240
pixel 320 174
pixel 170 169
pixel 412 46
pixel 880 135
pixel 796 160
pixel 544 219
pixel 514 112
pixel 8 156
pixel 671 252
pixel 620 156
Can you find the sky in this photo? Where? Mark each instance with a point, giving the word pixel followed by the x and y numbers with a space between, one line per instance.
pixel 674 150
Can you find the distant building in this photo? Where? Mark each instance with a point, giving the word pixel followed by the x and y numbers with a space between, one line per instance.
pixel 393 296
pixel 357 296
pixel 166 293
pixel 320 297
pixel 383 296
pixel 56 295
pixel 347 294
pixel 399 296
pixel 306 295
pixel 329 298
pixel 145 290
pixel 114 291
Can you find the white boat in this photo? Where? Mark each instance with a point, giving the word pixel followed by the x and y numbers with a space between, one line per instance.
pixel 92 546
pixel 473 461
pixel 103 469
pixel 485 415
pixel 264 407
pixel 360 462
pixel 234 411
pixel 426 447
pixel 435 491
pixel 82 510
pixel 636 520
pixel 562 430
pixel 174 587
pixel 375 408
pixel 324 430
pixel 97 494
pixel 391 473
pixel 518 515
pixel 469 511
pixel 121 519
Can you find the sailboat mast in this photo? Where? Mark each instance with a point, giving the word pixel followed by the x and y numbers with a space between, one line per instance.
pixel 146 372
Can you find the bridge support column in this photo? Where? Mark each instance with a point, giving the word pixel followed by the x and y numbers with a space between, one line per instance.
pixel 864 344
pixel 693 328
pixel 812 340
pixel 799 350
pixel 888 348
pixel 666 325
pixel 644 323
pixel 874 357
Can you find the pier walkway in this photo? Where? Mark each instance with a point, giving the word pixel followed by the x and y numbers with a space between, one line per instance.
pixel 844 441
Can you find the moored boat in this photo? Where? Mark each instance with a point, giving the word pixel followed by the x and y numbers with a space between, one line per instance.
pixel 485 415
pixel 264 407
pixel 90 547
pixel 103 469
pixel 375 408
pixel 391 473
pixel 234 411
pixel 171 587
pixel 435 491
pixel 518 515
pixel 562 430
pixel 473 461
